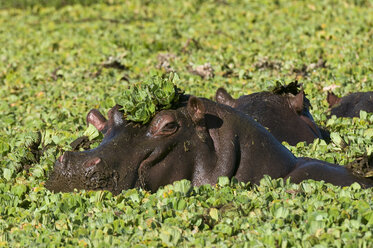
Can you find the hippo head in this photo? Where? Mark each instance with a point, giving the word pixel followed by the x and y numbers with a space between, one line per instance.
pixel 350 105
pixel 285 115
pixel 136 155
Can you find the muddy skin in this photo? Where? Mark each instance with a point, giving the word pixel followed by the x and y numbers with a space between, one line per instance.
pixel 350 105
pixel 198 140
pixel 286 116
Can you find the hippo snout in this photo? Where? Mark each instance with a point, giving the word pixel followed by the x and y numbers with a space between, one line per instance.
pixel 71 161
pixel 82 170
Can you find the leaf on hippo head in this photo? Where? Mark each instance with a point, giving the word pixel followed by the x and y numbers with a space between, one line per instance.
pixel 291 90
pixel 143 112
pixel 283 89
pixel 142 101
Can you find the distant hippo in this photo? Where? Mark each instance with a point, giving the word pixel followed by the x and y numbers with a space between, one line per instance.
pixel 284 112
pixel 350 105
pixel 198 140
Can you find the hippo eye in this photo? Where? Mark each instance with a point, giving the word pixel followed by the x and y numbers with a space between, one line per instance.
pixel 167 129
pixel 164 126
pixel 170 127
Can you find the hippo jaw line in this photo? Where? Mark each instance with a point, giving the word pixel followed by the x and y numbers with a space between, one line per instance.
pixel 311 125
pixel 150 160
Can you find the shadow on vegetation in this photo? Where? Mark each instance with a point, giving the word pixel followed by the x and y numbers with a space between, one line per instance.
pixel 23 4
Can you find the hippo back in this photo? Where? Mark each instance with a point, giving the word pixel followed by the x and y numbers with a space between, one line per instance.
pixel 286 116
pixel 350 105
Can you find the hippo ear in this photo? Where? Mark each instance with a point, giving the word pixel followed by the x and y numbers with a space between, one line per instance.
pixel 95 118
pixel 115 116
pixel 332 99
pixel 296 102
pixel 223 97
pixel 196 110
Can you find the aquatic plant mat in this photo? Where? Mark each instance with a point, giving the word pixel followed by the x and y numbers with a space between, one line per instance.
pixel 61 59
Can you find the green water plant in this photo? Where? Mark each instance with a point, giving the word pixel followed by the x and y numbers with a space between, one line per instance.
pixel 142 101
pixel 53 70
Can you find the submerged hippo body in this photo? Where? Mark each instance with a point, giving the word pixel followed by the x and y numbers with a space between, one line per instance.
pixel 350 105
pixel 286 116
pixel 198 140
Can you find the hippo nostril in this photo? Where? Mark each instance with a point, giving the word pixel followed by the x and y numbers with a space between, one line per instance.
pixel 64 158
pixel 60 159
pixel 92 162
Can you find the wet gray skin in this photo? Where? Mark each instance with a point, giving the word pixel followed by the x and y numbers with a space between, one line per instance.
pixel 350 105
pixel 199 140
pixel 287 117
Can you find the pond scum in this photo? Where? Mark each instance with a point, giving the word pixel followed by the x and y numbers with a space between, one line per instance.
pixel 61 58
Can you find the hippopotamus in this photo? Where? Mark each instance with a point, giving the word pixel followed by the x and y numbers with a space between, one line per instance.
pixel 350 105
pixel 197 139
pixel 284 112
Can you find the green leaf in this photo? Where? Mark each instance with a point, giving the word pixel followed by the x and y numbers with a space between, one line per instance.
pixel 363 115
pixel 19 189
pixel 91 132
pixel 183 186
pixel 170 236
pixel 368 133
pixel 4 146
pixel 214 214
pixel 336 138
pixel 223 181
pixel 281 212
pixel 355 186
pixel 7 174
pixel 181 204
